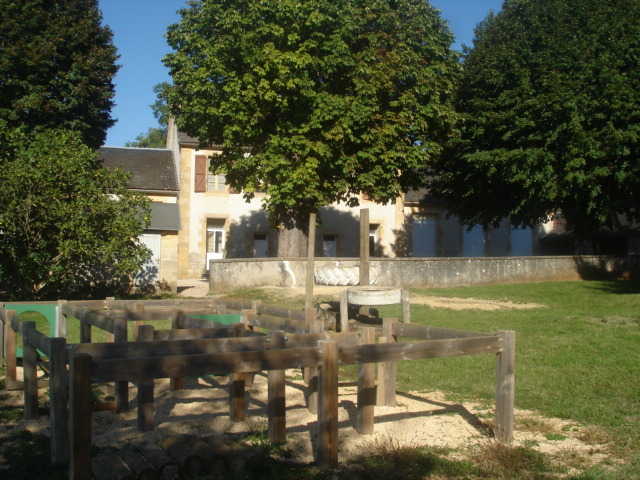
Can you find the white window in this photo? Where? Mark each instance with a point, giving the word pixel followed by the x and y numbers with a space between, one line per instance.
pixel 216 183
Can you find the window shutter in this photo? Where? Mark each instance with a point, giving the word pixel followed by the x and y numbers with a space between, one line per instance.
pixel 201 173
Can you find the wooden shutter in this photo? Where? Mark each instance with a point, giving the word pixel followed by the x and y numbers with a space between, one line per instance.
pixel 201 173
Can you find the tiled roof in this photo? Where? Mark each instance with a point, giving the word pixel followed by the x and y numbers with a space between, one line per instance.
pixel 150 168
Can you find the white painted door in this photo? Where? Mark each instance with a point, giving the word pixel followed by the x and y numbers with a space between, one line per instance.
pixel 215 244
pixel 151 270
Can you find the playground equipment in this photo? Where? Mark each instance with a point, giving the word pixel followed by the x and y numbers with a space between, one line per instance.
pixel 266 338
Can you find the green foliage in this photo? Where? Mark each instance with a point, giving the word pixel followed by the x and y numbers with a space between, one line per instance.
pixel 154 138
pixel 57 64
pixel 68 226
pixel 551 102
pixel 331 98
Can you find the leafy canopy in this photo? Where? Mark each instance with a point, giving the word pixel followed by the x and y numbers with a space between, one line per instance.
pixel 68 227
pixel 551 101
pixel 57 64
pixel 330 98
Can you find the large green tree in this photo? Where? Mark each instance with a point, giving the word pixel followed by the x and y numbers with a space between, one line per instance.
pixel 68 227
pixel 57 63
pixel 551 102
pixel 314 101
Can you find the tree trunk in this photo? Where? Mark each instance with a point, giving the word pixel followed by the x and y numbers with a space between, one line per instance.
pixel 292 243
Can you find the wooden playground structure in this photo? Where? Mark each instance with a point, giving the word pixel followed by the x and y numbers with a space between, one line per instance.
pixel 265 339
pixel 249 338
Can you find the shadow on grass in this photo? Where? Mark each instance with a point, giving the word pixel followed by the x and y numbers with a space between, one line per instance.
pixel 618 287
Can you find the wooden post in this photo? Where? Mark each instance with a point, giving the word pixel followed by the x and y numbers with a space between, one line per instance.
pixel 406 306
pixel 59 396
pixel 386 392
pixel 312 389
pixel 505 387
pixel 80 408
pixel 327 441
pixel 122 387
pixel 276 406
pixel 366 387
pixel 10 347
pixel 30 373
pixel 364 246
pixel 177 383
pixel 237 390
pixel 61 319
pixel 310 316
pixel 146 408
pixel 344 311
pixel 237 400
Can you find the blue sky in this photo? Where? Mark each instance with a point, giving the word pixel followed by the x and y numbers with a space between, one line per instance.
pixel 139 27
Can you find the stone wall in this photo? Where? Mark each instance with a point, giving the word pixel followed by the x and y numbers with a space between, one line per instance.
pixel 414 272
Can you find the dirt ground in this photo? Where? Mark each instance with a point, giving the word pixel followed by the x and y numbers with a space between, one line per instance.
pixel 453 303
pixel 197 418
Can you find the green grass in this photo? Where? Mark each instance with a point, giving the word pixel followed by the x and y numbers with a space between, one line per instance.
pixel 571 360
pixel 578 357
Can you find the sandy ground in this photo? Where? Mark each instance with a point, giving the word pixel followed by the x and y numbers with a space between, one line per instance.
pixel 453 303
pixel 199 413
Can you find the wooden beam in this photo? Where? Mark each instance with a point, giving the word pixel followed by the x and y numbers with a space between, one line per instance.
pixel 505 387
pixel 344 311
pixel 120 335
pixel 37 340
pixel 80 408
pixel 310 316
pixel 276 407
pixel 106 351
pixel 146 408
pixel 271 322
pixel 406 305
pixel 135 369
pixel 427 349
pixel 177 383
pixel 366 387
pixel 29 372
pixel 327 453
pixel 364 246
pixel 58 396
pixel 61 320
pixel 237 391
pixel 99 319
pixel 427 332
pixel 387 371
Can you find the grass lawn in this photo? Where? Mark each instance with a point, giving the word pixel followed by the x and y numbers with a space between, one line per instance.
pixel 578 356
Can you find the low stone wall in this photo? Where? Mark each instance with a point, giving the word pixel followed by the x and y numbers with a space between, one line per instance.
pixel 415 272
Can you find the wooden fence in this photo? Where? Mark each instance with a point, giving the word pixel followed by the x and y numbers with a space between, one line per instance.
pixel 192 347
